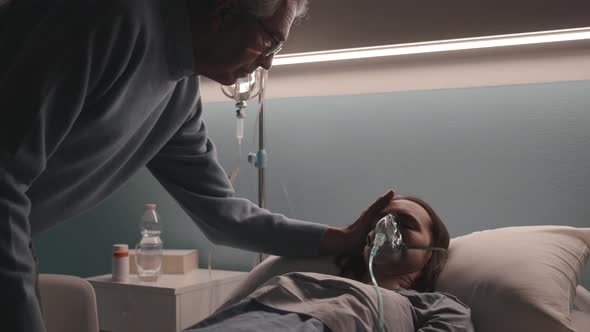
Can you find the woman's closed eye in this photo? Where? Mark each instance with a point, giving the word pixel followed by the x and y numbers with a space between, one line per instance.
pixel 408 226
pixel 408 223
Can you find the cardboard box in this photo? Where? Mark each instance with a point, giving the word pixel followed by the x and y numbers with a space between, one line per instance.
pixel 174 261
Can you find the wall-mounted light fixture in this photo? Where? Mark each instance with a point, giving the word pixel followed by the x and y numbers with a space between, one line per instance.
pixel 436 46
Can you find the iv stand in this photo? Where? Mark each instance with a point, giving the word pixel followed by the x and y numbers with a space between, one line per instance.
pixel 259 159
pixel 261 192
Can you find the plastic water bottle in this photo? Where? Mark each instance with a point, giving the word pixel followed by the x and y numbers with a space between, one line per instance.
pixel 149 251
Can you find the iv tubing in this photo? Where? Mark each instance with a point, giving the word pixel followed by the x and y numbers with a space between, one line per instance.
pixel 379 298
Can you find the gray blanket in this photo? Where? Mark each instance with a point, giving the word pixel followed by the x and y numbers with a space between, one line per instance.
pixel 318 302
pixel 250 316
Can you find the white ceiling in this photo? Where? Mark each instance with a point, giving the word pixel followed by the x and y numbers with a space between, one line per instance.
pixel 335 24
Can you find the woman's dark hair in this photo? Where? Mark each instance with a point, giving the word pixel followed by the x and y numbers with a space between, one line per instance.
pixel 353 266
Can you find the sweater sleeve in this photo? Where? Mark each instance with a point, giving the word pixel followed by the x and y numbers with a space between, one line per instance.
pixel 53 60
pixel 188 168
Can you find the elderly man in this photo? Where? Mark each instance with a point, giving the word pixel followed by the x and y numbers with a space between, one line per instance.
pixel 91 91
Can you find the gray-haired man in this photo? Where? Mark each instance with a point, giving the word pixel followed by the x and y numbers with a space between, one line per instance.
pixel 93 90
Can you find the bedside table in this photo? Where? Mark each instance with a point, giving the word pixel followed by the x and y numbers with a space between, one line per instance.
pixel 173 303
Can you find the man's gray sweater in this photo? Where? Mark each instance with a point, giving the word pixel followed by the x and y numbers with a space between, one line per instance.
pixel 90 92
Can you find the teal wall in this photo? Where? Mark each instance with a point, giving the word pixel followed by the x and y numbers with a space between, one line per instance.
pixel 484 157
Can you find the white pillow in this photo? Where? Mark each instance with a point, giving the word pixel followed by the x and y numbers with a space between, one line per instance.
pixel 518 278
pixel 514 279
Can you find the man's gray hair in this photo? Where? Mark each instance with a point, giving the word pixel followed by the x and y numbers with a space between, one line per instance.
pixel 266 8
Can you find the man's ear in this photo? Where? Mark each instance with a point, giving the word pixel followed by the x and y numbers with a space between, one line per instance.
pixel 223 11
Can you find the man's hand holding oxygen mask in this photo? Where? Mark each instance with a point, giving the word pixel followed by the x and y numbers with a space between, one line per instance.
pixel 352 238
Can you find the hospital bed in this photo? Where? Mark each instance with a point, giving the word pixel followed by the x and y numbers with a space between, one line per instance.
pixel 513 279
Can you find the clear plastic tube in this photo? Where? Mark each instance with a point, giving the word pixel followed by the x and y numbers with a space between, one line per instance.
pixel 240 129
pixel 377 290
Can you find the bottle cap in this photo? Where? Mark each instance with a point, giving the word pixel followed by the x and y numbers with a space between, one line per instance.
pixel 150 206
pixel 120 247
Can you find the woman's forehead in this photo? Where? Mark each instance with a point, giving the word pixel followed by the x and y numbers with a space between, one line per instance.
pixel 404 206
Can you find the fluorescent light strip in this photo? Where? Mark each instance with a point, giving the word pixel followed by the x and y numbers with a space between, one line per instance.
pixel 436 46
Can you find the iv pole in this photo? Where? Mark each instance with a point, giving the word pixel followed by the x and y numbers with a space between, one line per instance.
pixel 259 159
pixel 261 166
pixel 256 87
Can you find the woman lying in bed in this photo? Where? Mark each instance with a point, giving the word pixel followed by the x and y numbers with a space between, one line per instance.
pixel 413 273
pixel 301 301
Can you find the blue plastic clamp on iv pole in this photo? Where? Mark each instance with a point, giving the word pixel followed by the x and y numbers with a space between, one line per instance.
pixel 259 159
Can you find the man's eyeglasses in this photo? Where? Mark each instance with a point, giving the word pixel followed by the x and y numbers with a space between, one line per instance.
pixel 272 46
